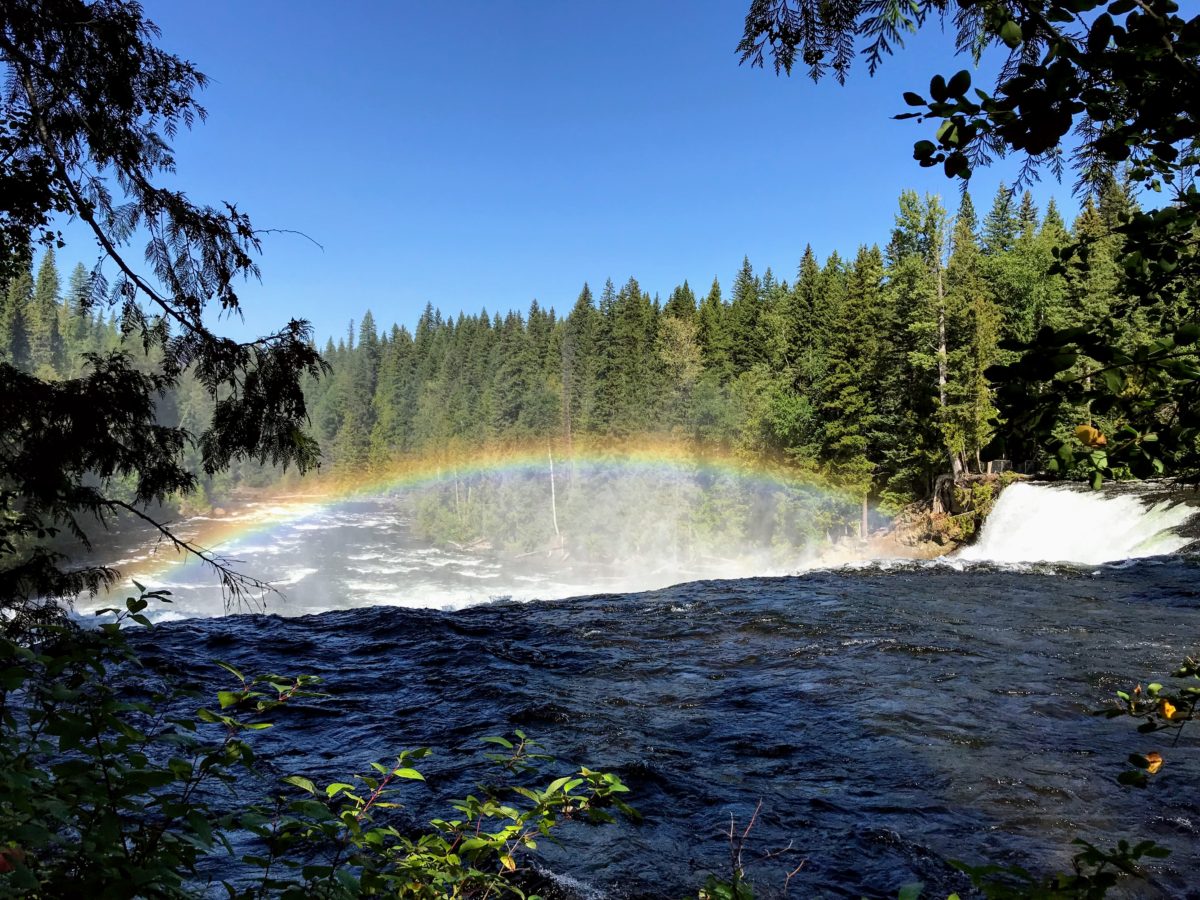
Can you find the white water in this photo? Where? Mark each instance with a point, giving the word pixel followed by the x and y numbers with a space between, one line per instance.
pixel 364 554
pixel 1048 523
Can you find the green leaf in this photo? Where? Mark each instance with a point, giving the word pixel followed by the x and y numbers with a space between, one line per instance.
pixel 959 84
pixel 301 782
pixel 937 88
pixel 228 668
pixel 1188 334
pixel 408 773
pixel 1114 380
pixel 913 99
pixel 1011 34
pixel 1132 778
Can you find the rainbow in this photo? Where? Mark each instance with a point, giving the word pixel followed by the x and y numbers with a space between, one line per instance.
pixel 297 498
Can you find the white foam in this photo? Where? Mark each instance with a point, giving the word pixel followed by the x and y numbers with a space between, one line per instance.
pixel 1038 523
pixel 294 577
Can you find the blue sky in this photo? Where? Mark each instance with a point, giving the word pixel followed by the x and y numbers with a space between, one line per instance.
pixel 488 152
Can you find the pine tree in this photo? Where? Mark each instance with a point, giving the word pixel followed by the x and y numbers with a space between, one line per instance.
pixel 394 401
pixel 847 406
pixel 1001 227
pixel 805 294
pixel 716 342
pixel 975 335
pixel 77 333
pixel 46 345
pixel 628 364
pixel 1027 216
pixel 745 311
pixel 917 288
pixel 1093 277
pixel 682 303
pixel 14 329
pixel 578 352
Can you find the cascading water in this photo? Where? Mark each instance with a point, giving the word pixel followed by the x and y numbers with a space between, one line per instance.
pixel 1057 523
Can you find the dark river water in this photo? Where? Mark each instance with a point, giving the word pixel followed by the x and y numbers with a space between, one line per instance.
pixel 888 718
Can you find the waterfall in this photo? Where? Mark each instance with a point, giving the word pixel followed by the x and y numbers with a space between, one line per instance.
pixel 1060 523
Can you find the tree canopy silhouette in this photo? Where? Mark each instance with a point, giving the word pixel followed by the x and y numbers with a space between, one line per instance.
pixel 87 114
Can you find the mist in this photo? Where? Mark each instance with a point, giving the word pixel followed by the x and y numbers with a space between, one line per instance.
pixel 467 536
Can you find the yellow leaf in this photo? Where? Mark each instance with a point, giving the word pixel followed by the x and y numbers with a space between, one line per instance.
pixel 508 862
pixel 1167 708
pixel 1154 761
pixel 1090 437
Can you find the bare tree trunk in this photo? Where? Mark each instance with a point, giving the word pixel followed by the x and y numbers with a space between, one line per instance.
pixel 864 524
pixel 553 497
pixel 567 416
pixel 568 377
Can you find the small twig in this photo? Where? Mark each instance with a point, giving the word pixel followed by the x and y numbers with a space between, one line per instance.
pixel 790 874
pixel 307 237
pixel 737 844
pixel 237 585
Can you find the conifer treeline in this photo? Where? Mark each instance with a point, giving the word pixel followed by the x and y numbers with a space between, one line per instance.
pixel 866 370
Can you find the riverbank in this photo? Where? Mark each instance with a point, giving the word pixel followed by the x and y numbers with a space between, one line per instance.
pixel 919 531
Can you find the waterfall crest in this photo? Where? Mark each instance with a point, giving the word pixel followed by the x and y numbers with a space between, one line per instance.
pixel 1061 523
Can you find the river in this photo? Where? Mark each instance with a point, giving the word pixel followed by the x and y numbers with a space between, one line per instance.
pixel 889 716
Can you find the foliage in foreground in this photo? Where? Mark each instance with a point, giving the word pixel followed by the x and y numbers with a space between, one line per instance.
pixel 111 787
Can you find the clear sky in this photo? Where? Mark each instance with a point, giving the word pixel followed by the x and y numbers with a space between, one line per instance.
pixel 484 153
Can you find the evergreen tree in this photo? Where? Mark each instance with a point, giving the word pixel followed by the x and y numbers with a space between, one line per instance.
pixel 15 327
pixel 394 401
pixel 1001 227
pixel 716 341
pixel 77 332
pixel 1027 216
pixel 579 365
pixel 47 354
pixel 847 406
pixel 1093 276
pixel 922 337
pixel 682 303
pixel 745 311
pixel 805 294
pixel 975 335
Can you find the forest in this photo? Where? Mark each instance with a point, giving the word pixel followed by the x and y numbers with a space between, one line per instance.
pixel 867 371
